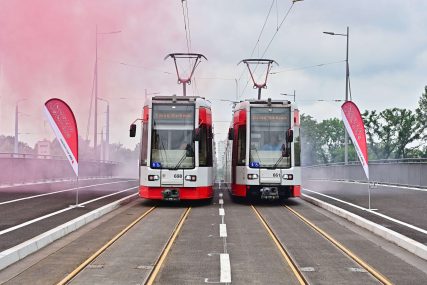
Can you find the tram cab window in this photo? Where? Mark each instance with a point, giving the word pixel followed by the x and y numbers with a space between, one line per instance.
pixel 144 142
pixel 241 145
pixel 205 146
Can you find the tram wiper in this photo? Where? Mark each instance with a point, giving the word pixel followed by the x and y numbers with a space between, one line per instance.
pixel 257 154
pixel 283 148
pixel 188 152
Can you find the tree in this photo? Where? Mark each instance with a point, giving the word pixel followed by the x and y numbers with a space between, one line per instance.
pixel 391 131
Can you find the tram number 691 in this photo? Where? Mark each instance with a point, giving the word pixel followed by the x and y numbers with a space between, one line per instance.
pixel 177 176
pixel 275 175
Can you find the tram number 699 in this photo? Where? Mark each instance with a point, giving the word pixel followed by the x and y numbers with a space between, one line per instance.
pixel 177 176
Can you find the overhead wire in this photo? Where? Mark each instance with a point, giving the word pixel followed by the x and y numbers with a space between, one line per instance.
pixel 268 46
pixel 306 67
pixel 259 37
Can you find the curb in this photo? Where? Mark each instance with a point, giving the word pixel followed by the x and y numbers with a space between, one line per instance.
pixel 18 252
pixel 410 245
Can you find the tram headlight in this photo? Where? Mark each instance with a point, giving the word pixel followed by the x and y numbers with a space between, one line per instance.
pixel 191 178
pixel 252 176
pixel 153 177
pixel 288 176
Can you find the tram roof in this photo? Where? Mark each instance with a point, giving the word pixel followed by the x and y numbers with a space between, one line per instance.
pixel 201 101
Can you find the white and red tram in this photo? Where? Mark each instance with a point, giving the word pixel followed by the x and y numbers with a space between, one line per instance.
pixel 176 160
pixel 263 150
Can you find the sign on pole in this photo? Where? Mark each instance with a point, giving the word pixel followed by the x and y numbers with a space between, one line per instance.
pixel 63 123
pixel 356 129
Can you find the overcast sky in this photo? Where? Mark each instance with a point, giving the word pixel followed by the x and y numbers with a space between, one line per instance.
pixel 48 50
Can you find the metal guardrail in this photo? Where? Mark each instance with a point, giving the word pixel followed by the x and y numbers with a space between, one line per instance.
pixel 410 172
pixel 23 168
pixel 376 161
pixel 37 156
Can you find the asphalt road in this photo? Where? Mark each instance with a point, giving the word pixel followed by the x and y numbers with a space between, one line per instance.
pixel 194 257
pixel 47 205
pixel 407 205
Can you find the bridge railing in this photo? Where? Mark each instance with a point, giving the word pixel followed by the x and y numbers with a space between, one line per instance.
pixel 411 172
pixel 22 168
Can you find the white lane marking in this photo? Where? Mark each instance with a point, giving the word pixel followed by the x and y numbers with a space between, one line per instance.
pixel 53 181
pixel 59 212
pixel 225 276
pixel 372 212
pixel 222 230
pixel 60 191
pixel 220 194
pixel 221 211
pixel 378 184
pixel 221 202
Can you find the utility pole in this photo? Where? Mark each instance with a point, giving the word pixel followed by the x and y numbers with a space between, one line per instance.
pixel 347 76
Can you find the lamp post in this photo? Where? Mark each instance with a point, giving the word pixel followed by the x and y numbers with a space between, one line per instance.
pixel 347 35
pixel 95 133
pixel 291 95
pixel 107 132
pixel 16 145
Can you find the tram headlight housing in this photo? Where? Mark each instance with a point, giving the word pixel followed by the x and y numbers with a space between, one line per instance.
pixel 191 178
pixel 153 177
pixel 252 176
pixel 288 176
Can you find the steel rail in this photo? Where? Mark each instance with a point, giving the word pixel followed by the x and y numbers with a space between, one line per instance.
pixel 76 271
pixel 289 260
pixel 167 248
pixel 375 273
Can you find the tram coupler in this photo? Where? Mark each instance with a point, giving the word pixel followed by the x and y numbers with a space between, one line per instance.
pixel 269 193
pixel 170 194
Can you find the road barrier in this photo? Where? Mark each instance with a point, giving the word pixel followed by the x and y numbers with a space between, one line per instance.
pixel 30 168
pixel 410 172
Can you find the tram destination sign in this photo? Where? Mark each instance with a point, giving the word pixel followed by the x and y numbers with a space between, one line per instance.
pixel 168 114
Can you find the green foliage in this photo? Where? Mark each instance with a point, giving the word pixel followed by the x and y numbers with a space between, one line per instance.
pixel 390 132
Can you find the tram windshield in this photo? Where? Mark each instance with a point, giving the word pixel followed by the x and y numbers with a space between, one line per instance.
pixel 268 128
pixel 172 144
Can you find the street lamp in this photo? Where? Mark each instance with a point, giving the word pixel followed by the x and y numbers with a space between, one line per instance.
pixel 95 133
pixel 346 89
pixel 16 148
pixel 107 133
pixel 291 95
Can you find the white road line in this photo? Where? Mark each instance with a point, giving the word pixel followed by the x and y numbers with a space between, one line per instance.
pixel 221 211
pixel 221 201
pixel 60 191
pixel 225 276
pixel 378 184
pixel 53 181
pixel 59 212
pixel 222 230
pixel 220 195
pixel 372 212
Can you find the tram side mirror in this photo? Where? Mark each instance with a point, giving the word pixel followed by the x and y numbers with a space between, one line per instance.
pixel 230 134
pixel 290 136
pixel 132 130
pixel 196 135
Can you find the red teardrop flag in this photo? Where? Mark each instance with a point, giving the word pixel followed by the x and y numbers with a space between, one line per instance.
pixel 63 123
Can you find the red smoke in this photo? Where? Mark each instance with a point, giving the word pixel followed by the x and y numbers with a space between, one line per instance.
pixel 50 44
pixel 47 49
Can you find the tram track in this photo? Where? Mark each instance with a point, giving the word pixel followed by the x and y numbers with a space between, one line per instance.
pixel 293 264
pixel 84 264
pixel 151 277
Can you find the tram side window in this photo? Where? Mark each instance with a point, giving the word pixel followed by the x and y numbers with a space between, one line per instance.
pixel 241 145
pixel 144 146
pixel 205 146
